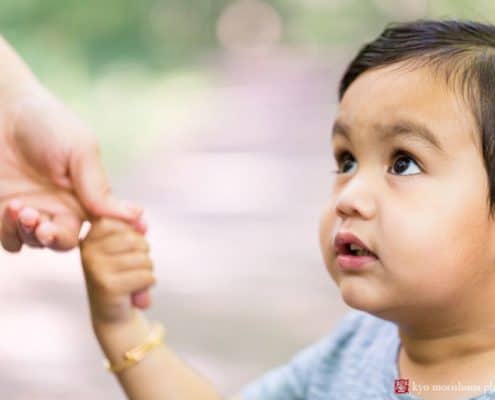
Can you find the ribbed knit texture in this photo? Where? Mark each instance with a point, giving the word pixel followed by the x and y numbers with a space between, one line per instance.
pixel 358 360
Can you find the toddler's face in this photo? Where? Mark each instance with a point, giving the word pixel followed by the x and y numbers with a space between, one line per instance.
pixel 425 213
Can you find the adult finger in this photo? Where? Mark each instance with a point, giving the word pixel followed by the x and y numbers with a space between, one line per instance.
pixel 92 186
pixel 46 233
pixel 9 236
pixel 64 231
pixel 27 222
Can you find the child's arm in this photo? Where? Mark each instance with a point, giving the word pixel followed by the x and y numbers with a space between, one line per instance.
pixel 116 263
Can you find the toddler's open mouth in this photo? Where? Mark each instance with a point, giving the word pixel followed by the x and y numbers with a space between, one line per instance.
pixel 350 244
pixel 352 253
pixel 354 262
pixel 354 250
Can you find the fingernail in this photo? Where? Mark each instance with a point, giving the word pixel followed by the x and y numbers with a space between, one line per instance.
pixel 28 216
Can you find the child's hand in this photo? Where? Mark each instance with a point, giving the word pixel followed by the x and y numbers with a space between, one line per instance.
pixel 116 264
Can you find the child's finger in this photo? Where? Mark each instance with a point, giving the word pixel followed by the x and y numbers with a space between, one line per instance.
pixel 133 261
pixel 133 281
pixel 141 299
pixel 140 226
pixel 10 238
pixel 123 243
pixel 104 227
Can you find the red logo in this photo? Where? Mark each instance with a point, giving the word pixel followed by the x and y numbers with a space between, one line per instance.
pixel 401 386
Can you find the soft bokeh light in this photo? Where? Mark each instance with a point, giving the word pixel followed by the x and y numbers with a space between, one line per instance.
pixel 249 25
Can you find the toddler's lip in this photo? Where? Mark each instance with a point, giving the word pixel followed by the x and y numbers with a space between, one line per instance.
pixel 344 239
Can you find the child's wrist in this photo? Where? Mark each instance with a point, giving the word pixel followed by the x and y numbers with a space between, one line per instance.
pixel 105 318
pixel 136 326
pixel 117 338
pixel 106 309
pixel 113 316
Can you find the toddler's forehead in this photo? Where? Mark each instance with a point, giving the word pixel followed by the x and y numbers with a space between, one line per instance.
pixel 388 94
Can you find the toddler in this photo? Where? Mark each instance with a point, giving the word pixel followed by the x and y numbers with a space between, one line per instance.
pixel 408 236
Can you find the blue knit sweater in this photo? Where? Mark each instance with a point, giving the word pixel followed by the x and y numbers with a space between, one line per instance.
pixel 357 360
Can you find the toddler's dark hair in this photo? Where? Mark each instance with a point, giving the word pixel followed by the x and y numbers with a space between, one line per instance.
pixel 459 51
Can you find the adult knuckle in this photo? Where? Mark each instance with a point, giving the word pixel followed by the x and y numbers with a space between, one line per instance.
pixel 104 187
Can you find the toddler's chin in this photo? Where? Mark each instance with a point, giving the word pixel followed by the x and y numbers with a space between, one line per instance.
pixel 359 294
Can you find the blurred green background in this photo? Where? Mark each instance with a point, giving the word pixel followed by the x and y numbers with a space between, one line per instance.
pixel 134 58
pixel 92 35
pixel 163 35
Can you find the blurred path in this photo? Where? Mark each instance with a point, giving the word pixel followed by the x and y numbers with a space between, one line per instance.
pixel 233 210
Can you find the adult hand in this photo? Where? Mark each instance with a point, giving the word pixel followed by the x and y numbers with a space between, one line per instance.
pixel 51 175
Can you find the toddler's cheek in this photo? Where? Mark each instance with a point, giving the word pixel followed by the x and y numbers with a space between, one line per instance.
pixel 333 272
pixel 326 234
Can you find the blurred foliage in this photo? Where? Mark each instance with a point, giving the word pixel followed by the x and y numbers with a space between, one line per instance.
pixel 164 34
pixel 156 33
pixel 126 66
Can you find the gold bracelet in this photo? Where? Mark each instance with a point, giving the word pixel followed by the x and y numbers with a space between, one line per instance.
pixel 136 354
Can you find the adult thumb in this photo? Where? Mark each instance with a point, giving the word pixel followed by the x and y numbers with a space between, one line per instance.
pixel 92 187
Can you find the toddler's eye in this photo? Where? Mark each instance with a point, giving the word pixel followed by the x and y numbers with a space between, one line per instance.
pixel 344 160
pixel 402 162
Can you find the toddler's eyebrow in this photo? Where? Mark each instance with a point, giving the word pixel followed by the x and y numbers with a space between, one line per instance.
pixel 400 127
